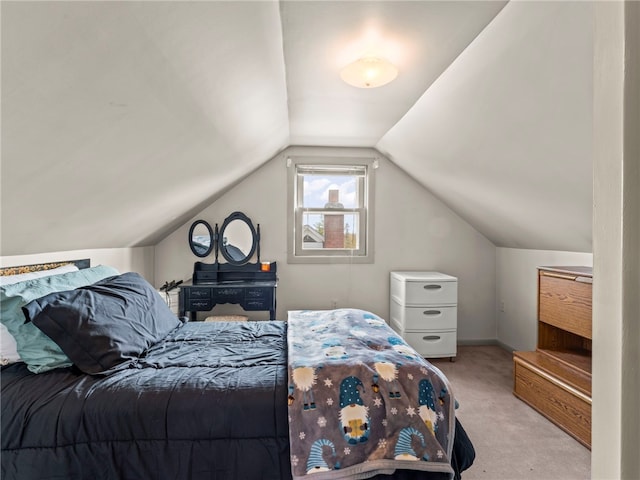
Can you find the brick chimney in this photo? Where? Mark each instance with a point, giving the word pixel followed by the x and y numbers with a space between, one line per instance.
pixel 333 224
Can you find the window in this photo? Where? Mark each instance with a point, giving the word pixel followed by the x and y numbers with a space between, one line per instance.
pixel 330 210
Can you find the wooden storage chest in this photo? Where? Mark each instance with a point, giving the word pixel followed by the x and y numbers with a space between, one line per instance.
pixel 555 379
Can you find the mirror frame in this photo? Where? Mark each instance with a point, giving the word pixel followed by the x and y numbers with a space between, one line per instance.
pixel 209 229
pixel 242 217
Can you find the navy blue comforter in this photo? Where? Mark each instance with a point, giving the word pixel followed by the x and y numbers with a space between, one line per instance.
pixel 208 402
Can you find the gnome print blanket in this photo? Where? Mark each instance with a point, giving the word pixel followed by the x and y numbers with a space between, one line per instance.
pixel 361 401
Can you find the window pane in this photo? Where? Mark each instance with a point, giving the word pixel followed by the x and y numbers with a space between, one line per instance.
pixel 330 231
pixel 324 190
pixel 329 202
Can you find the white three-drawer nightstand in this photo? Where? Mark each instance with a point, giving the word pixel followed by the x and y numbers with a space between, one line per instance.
pixel 424 311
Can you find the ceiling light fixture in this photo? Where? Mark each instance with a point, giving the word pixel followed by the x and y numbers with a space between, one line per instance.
pixel 369 72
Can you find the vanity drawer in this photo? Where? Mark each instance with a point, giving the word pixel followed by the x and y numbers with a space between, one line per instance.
pixel 433 344
pixel 199 299
pixel 424 290
pixel 229 295
pixel 199 305
pixel 425 317
pixel 199 293
pixel 258 293
pixel 258 298
pixel 257 304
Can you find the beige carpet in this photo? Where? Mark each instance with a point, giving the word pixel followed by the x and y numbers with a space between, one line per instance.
pixel 512 441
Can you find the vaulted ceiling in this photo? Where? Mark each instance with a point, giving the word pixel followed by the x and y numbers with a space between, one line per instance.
pixel 120 120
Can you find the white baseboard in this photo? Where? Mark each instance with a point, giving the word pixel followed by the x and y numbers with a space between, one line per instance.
pixel 486 341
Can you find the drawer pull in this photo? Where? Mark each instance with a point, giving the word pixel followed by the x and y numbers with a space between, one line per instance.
pixel 558 275
pixel 576 278
pixel 432 287
pixel 199 294
pixel 584 279
pixel 199 304
pixel 431 338
pixel 431 312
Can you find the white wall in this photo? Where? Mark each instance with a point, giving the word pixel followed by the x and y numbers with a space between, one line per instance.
pixel 616 236
pixel 503 136
pixel 413 231
pixel 137 259
pixel 517 290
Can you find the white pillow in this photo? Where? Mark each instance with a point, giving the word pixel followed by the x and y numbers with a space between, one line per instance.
pixel 8 348
pixel 21 277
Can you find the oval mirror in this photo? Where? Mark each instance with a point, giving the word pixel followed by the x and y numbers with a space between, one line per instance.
pixel 238 238
pixel 201 238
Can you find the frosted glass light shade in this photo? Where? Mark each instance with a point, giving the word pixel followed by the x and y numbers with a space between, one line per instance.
pixel 369 72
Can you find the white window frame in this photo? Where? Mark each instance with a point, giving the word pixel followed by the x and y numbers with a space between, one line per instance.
pixel 307 164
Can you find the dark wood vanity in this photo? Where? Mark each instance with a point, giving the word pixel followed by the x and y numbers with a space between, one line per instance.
pixel 238 281
pixel 252 289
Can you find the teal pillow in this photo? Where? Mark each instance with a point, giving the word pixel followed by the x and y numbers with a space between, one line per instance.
pixel 38 351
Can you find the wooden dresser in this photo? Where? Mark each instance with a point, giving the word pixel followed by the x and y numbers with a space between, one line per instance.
pixel 555 379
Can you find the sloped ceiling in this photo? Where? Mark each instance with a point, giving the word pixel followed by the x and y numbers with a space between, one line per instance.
pixel 120 120
pixel 422 38
pixel 504 135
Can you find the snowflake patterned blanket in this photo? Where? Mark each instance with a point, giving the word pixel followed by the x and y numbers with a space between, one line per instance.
pixel 361 401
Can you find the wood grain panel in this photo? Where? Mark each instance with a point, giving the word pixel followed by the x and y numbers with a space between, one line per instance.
pixel 565 303
pixel 554 338
pixel 553 364
pixel 556 379
pixel 555 400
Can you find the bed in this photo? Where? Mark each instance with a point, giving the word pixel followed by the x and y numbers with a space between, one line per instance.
pixel 140 394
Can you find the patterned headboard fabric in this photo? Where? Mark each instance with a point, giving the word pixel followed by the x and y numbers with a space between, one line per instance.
pixel 83 263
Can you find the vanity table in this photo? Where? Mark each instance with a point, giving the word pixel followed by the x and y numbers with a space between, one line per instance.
pixel 252 291
pixel 238 281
